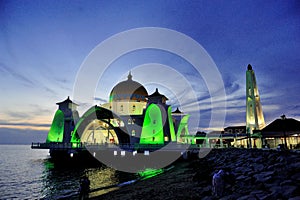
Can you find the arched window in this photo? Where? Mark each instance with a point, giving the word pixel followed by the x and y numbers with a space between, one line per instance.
pixel 129 121
pixel 133 108
pixel 133 133
pixel 121 108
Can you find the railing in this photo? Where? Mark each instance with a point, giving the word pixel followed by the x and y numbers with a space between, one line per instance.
pixel 128 147
pixel 59 145
pixel 56 145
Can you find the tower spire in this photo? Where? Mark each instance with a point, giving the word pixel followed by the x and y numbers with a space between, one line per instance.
pixel 129 76
pixel 254 114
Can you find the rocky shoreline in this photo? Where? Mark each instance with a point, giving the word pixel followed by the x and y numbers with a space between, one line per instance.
pixel 257 174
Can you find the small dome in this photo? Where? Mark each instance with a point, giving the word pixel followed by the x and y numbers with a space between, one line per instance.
pixel 128 90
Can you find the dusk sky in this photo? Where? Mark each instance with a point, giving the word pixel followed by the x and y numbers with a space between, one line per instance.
pixel 44 43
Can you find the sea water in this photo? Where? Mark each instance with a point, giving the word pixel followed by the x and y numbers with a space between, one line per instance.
pixel 27 173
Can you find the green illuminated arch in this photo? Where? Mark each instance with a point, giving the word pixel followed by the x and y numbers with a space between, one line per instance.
pixel 99 114
pixel 183 127
pixel 75 137
pixel 56 132
pixel 152 131
pixel 171 125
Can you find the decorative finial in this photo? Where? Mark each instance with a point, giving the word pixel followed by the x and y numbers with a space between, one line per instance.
pixel 283 117
pixel 249 67
pixel 129 76
pixel 156 90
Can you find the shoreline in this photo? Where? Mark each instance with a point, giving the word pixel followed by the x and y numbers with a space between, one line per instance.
pixel 259 174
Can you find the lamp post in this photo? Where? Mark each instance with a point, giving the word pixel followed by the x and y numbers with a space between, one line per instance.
pixel 283 118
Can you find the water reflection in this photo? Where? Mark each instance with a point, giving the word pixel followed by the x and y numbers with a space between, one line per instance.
pixel 62 181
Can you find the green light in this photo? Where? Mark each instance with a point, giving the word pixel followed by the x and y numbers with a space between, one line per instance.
pixel 149 173
pixel 75 137
pixel 152 131
pixel 171 125
pixel 56 132
pixel 183 127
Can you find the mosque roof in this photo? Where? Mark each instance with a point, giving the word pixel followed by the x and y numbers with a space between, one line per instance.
pixel 68 100
pixel 128 90
pixel 157 94
pixel 177 111
pixel 280 125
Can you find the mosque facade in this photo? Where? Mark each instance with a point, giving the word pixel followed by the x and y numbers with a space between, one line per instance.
pixel 131 116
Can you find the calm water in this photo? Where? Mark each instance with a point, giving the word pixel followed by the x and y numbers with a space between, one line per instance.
pixel 29 174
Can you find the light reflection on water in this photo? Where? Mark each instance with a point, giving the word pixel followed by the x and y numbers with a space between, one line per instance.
pixel 29 174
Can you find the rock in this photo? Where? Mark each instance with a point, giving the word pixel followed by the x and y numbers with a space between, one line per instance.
pixel 230 197
pixel 208 198
pixel 281 159
pixel 263 196
pixel 258 167
pixel 264 177
pixel 290 191
pixel 294 198
pixel 260 186
pixel 247 197
pixel 259 159
pixel 296 176
pixel 273 166
pixel 286 182
pixel 256 192
pixel 241 177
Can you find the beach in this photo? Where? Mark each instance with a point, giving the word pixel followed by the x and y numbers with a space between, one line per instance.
pixel 256 174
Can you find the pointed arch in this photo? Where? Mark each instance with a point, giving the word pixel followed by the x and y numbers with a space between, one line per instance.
pixel 152 131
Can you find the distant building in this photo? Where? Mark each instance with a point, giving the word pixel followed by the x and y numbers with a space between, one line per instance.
pixel 284 131
pixel 235 129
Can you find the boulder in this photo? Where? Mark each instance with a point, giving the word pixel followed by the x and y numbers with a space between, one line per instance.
pixel 247 197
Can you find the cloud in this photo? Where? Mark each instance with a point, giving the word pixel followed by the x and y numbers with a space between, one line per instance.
pixel 16 75
pixel 25 124
pixel 101 100
pixel 18 115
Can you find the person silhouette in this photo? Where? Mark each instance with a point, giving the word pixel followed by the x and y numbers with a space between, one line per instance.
pixel 84 188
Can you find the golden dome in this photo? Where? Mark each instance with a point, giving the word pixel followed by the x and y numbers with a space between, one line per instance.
pixel 128 90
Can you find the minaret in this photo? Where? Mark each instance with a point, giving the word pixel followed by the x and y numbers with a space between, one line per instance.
pixel 71 116
pixel 254 114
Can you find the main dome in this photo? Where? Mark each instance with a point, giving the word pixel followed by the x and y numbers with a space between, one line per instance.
pixel 128 90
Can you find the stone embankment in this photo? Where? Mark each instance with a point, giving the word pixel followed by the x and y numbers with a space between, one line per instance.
pixel 256 174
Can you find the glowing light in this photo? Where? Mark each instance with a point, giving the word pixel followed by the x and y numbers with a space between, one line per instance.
pixel 152 130
pixel 171 125
pixel 183 127
pixel 254 114
pixel 56 132
pixel 148 173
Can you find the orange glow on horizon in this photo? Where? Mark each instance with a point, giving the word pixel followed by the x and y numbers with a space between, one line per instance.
pixel 24 127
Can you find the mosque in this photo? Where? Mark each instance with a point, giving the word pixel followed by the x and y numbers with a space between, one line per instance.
pixel 131 117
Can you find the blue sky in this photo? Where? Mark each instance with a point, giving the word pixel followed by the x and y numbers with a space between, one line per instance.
pixel 44 43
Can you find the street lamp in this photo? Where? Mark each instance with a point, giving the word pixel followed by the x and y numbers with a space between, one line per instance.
pixel 283 118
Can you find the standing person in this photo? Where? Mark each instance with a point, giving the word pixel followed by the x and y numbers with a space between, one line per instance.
pixel 218 184
pixel 84 188
pixel 220 180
